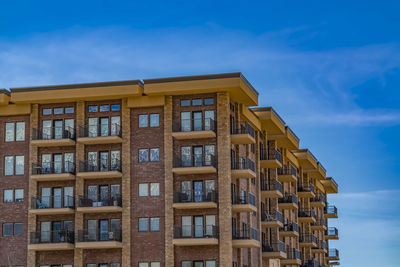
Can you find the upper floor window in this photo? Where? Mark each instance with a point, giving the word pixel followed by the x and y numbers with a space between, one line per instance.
pixel 104 126
pixel 149 264
pixel 57 163
pixel 15 131
pixel 58 111
pixel 8 229
pixel 153 118
pixel 14 165
pixel 207 263
pixel 104 108
pixel 58 129
pixel 104 160
pixel 197 102
pixel 197 156
pixel 11 195
pixel 144 154
pixel 145 187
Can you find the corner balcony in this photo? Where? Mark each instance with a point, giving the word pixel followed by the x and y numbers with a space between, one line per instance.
pixel 287 140
pixel 272 189
pixel 243 169
pixel 330 212
pixel 53 171
pixel 194 166
pixel 293 257
pixel 53 136
pixel 306 216
pixel 187 129
pixel 99 170
pixel 289 230
pixel 243 135
pixel 310 263
pixel 320 248
pixel 287 174
pixel 244 203
pixel 288 202
pixel 307 240
pixel 306 191
pixel 97 135
pixel 109 205
pixel 330 185
pixel 195 235
pixel 272 221
pixel 52 205
pixel 186 201
pixel 270 158
pixel 333 255
pixel 274 250
pixel 319 224
pixel 51 241
pixel 103 240
pixel 332 233
pixel 306 159
pixel 245 238
pixel 318 201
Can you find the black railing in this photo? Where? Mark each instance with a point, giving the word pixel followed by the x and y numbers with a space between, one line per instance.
pixel 266 217
pixel 270 154
pixel 244 129
pixel 99 130
pixel 100 166
pixel 49 133
pixel 332 231
pixel 245 233
pixel 195 161
pixel 309 263
pixel 288 198
pixel 287 170
pixel 333 253
pixel 271 186
pixel 321 244
pixel 308 238
pixel 290 227
pixel 243 164
pixel 93 236
pixel 330 209
pixel 293 254
pixel 52 202
pixel 306 213
pixel 319 222
pixel 306 188
pixel 54 167
pixel 318 198
pixel 191 125
pixel 196 231
pixel 48 237
pixel 187 197
pixel 274 247
pixel 84 201
pixel 247 198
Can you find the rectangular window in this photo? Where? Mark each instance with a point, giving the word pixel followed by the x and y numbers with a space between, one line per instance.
pixel 8 195
pixel 104 126
pixel 9 131
pixel 92 108
pixel 211 264
pixel 18 229
pixel 115 264
pixel 143 155
pixel 154 154
pixel 91 265
pixel 209 101
pixel 7 229
pixel 154 224
pixel 185 103
pixel 186 226
pixel 154 120
pixel 20 131
pixel 143 121
pixel 143 190
pixel 19 165
pixel 58 111
pixel 19 195
pixel 143 264
pixel 155 264
pixel 69 110
pixel 115 107
pixel 8 165
pixel 154 189
pixel 143 224
pixel 104 108
pixel 186 264
pixel 186 122
pixel 69 127
pixel 46 111
pixel 186 156
pixel 196 102
pixel 115 125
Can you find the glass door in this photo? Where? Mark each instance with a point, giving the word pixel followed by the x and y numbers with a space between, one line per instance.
pixel 209 154
pixel 92 195
pixel 115 159
pixel 198 226
pixel 185 122
pixel 115 229
pixel 68 197
pixel 92 230
pixel 115 193
pixel 58 163
pixel 209 120
pixel 210 225
pixel 92 161
pixel 57 198
pixel 57 237
pixel 46 163
pixel 93 127
pixel 197 121
pixel 68 162
pixel 104 126
pixel 198 156
pixel 46 195
pixel 104 195
pixel 186 156
pixel 45 232
pixel 186 191
pixel 103 230
pixel 115 125
pixel 46 129
pixel 104 161
pixel 69 127
pixel 58 129
pixel 210 189
pixel 186 226
pixel 198 191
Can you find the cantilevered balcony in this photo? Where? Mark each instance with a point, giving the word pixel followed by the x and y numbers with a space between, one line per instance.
pixel 270 158
pixel 306 216
pixel 289 230
pixel 274 250
pixel 195 165
pixel 318 201
pixel 271 189
pixel 288 201
pixel 245 202
pixel 287 174
pixel 98 134
pixel 99 240
pixel 105 205
pixel 194 200
pixel 330 212
pixel 245 238
pixel 309 263
pixel 53 136
pixel 51 241
pixel 186 129
pixel 319 224
pixel 245 134
pixel 308 240
pixel 333 255
pixel 306 190
pixel 330 185
pixel 195 235
pixel 101 169
pixel 293 257
pixel 332 233
pixel 270 221
pixel 53 171
pixel 320 248
pixel 52 205
pixel 245 168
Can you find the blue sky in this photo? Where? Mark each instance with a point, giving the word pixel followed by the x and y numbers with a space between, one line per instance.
pixel 330 68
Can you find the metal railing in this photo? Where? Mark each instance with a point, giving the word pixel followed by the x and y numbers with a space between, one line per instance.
pixel 187 197
pixel 93 236
pixel 247 198
pixel 52 202
pixel 195 161
pixel 270 154
pixel 274 247
pixel 319 222
pixel 54 167
pixel 309 263
pixel 330 209
pixel 243 164
pixel 290 227
pixel 321 244
pixel 244 129
pixel 99 130
pixel 306 213
pixel 266 217
pixel 293 254
pixel 196 231
pixel 84 201
pixel 332 231
pixel 271 186
pixel 49 237
pixel 333 252
pixel 192 125
pixel 306 188
pixel 288 198
pixel 308 238
pixel 100 166
pixel 50 133
pixel 245 233
pixel 318 198
pixel 287 170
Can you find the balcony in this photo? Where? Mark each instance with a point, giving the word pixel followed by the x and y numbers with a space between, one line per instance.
pixel 199 200
pixel 320 248
pixel 293 257
pixel 244 203
pixel 187 129
pixel 53 171
pixel 288 202
pixel 51 241
pixel 306 190
pixel 310 263
pixel 245 168
pixel 245 238
pixel 308 240
pixel 287 174
pixel 270 158
pixel 333 255
pixel 332 233
pixel 306 216
pixel 243 135
pixel 52 205
pixel 274 250
pixel 96 134
pixel 87 205
pixel 330 212
pixel 270 221
pixel 287 140
pixel 330 185
pixel 318 201
pixel 273 189
pixel 53 136
pixel 196 165
pixel 94 170
pixel 93 240
pixel 270 120
pixel 319 224
pixel 289 230
pixel 195 235
pixel 306 159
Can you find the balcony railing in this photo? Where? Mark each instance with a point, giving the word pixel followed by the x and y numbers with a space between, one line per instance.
pixel 306 188
pixel 99 130
pixel 266 217
pixel 55 167
pixel 84 201
pixel 49 133
pixel 332 231
pixel 48 237
pixel 196 231
pixel 293 254
pixel 195 161
pixel 100 166
pixel 307 238
pixel 307 213
pixel 310 263
pixel 191 125
pixel 188 197
pixel 270 154
pixel 330 209
pixel 319 222
pixel 318 198
pixel 271 186
pixel 321 244
pixel 243 164
pixel 287 170
pixel 94 236
pixel 244 129
pixel 274 247
pixel 52 202
pixel 333 252
pixel 291 227
pixel 248 198
pixel 245 233
pixel 288 198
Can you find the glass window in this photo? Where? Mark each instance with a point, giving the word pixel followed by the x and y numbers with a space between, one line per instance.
pixel 154 189
pixel 185 103
pixel 198 264
pixel 92 161
pixel 69 127
pixel 186 190
pixel 143 190
pixel 19 165
pixel 104 161
pixel 18 229
pixel 155 264
pixel 104 126
pixel 186 264
pixel 186 122
pixel 143 121
pixel 92 108
pixel 91 265
pixel 154 224
pixel 115 264
pixel 209 101
pixel 104 108
pixel 115 160
pixel 143 155
pixel 198 156
pixel 20 131
pixel 8 195
pixel 196 102
pixel 8 165
pixel 197 120
pixel 154 154
pixel 154 120
pixel 143 224
pixel 93 127
pixel 211 264
pixel 47 129
pixel 9 131
pixel 209 154
pixel 68 162
pixel 186 156
pixel 69 110
pixel 115 191
pixel 209 120
pixel 115 125
pixel 143 264
pixel 7 229
pixel 186 226
pixel 58 129
pixel 19 195
pixel 58 111
pixel 115 107
pixel 92 230
pixel 46 111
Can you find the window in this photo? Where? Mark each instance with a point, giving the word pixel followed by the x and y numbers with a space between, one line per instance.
pixel 154 224
pixel 8 195
pixel 154 154
pixel 104 108
pixel 143 155
pixel 58 111
pixel 186 264
pixel 20 136
pixel 152 264
pixel 8 165
pixel 143 190
pixel 196 102
pixel 143 264
pixel 143 121
pixel 154 120
pixel 211 264
pixel 209 101
pixel 19 195
pixel 91 265
pixel 69 110
pixel 115 264
pixel 154 189
pixel 155 264
pixel 7 229
pixel 46 111
pixel 18 229
pixel 185 103
pixel 9 131
pixel 92 108
pixel 143 224
pixel 19 165
pixel 115 107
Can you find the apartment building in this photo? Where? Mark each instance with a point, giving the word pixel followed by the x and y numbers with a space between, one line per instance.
pixel 183 171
